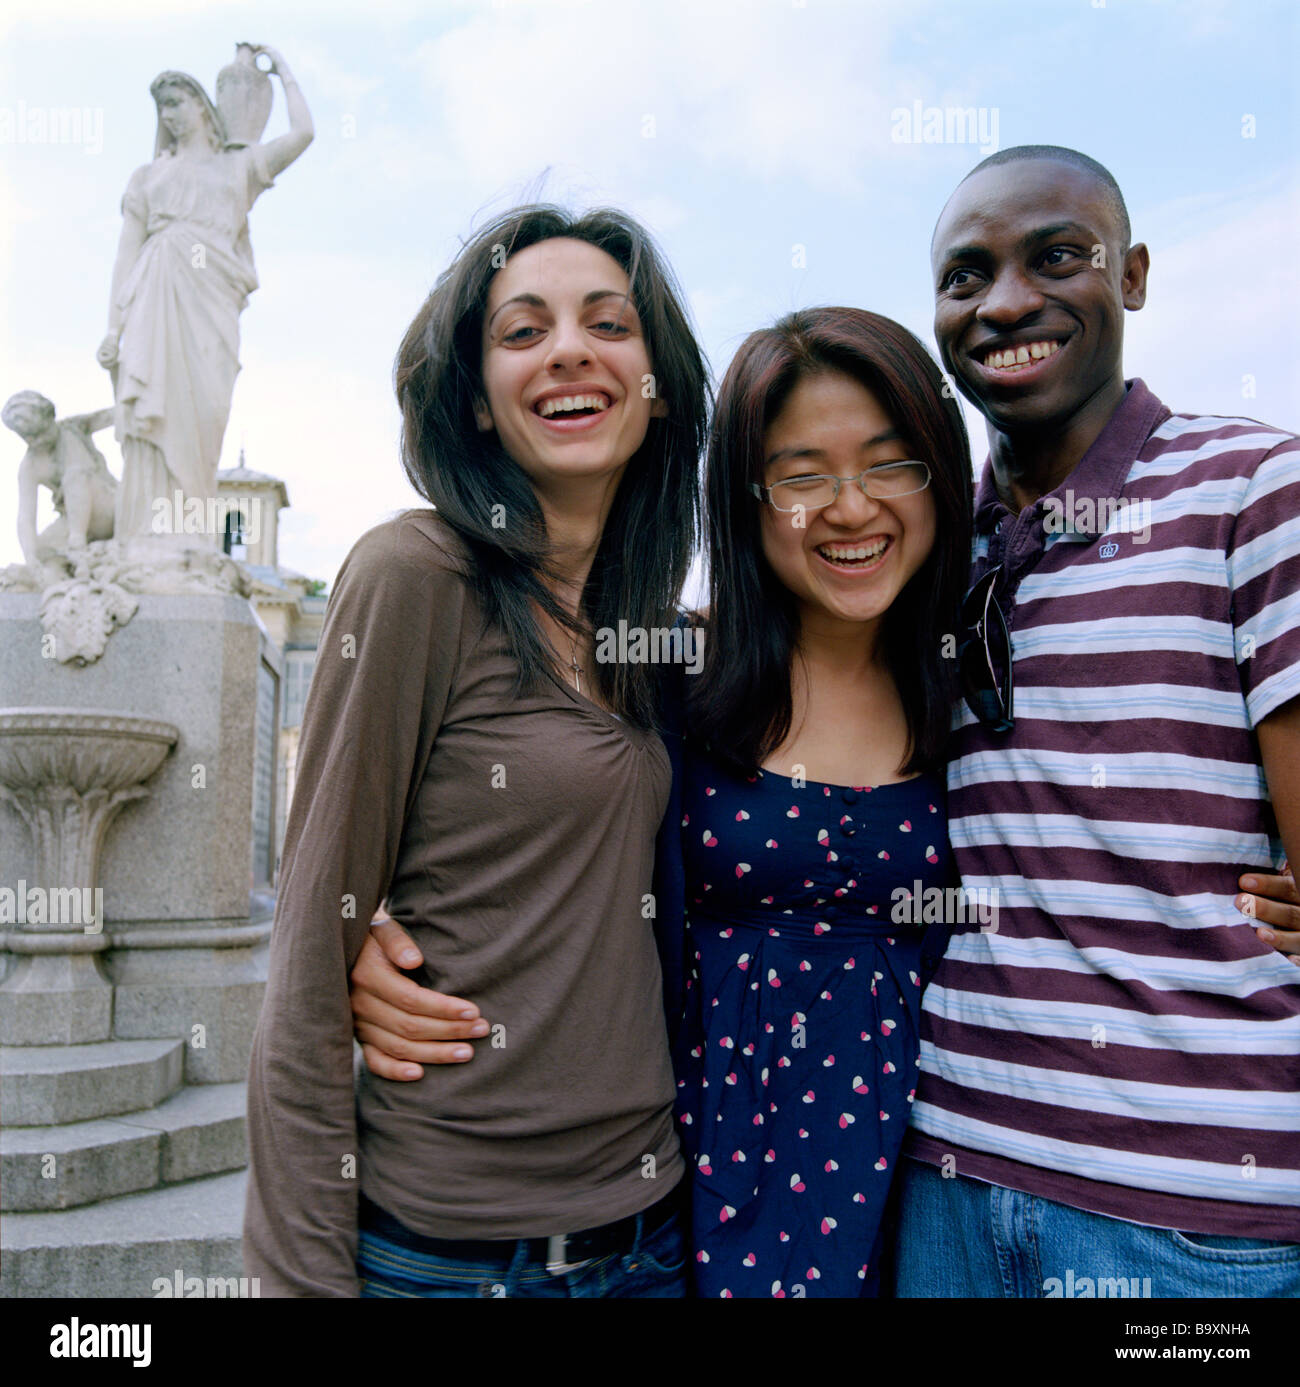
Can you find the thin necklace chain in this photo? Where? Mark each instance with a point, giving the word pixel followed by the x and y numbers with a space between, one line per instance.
pixel 574 667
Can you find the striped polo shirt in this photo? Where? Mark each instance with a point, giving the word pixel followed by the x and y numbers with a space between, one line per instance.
pixel 1118 1039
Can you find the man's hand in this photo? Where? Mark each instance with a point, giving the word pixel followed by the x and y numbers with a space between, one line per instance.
pixel 1274 904
pixel 399 1022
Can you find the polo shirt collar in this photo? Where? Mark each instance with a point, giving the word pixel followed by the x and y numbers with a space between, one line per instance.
pixel 1099 475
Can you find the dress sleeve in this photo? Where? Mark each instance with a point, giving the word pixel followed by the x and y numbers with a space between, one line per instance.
pixel 1264 576
pixel 386 661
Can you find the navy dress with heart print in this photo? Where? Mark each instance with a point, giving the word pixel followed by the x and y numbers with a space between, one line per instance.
pixel 800 1051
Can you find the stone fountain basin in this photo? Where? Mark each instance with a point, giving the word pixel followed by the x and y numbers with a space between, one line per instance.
pixel 80 749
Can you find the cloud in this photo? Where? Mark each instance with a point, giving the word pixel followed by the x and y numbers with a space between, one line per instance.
pixel 771 125
pixel 1219 321
pixel 781 91
pixel 60 15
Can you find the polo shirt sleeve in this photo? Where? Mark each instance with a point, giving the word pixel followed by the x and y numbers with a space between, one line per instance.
pixel 386 660
pixel 1263 562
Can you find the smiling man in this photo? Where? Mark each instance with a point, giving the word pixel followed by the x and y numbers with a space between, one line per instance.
pixel 1111 1069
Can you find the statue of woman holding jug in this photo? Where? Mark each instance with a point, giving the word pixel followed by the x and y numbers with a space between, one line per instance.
pixel 183 274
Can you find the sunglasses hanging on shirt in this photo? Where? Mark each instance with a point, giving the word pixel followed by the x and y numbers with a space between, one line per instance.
pixel 984 656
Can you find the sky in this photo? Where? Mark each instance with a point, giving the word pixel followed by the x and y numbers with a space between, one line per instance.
pixel 764 143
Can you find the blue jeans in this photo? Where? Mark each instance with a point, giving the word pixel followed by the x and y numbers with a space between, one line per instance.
pixel 962 1237
pixel 654 1267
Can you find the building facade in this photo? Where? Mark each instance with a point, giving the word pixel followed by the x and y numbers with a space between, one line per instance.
pixel 290 607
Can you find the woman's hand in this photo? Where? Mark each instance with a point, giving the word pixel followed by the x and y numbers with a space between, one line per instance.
pixel 106 352
pixel 400 1024
pixel 1274 904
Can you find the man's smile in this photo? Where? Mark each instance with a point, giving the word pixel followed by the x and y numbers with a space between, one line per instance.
pixel 1024 362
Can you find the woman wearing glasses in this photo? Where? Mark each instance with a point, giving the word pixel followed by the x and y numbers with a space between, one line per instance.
pixel 838 501
pixel 810 801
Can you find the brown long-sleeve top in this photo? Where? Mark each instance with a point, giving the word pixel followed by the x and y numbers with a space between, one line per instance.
pixel 514 839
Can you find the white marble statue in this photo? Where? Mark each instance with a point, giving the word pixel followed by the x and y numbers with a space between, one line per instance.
pixel 183 274
pixel 62 456
pixel 87 578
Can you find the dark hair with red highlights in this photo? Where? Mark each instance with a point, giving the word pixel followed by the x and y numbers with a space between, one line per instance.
pixel 742 707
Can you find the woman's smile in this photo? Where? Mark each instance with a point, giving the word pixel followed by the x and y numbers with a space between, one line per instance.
pixel 848 560
pixel 573 408
pixel 854 558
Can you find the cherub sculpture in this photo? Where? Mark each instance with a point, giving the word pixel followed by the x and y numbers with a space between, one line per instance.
pixel 62 456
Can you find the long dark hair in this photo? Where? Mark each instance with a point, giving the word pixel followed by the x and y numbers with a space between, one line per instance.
pixel 741 706
pixel 653 523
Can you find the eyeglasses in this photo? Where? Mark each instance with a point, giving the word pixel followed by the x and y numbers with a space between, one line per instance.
pixel 883 482
pixel 984 656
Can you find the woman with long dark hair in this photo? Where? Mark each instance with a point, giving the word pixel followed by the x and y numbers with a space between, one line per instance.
pixel 839 511
pixel 466 758
pixel 810 805
pixel 810 797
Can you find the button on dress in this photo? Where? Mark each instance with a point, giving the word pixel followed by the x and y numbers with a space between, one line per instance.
pixel 803 1011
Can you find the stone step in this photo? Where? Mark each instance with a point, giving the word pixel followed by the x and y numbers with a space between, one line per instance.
pixel 122 1247
pixel 49 1085
pixel 198 1131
